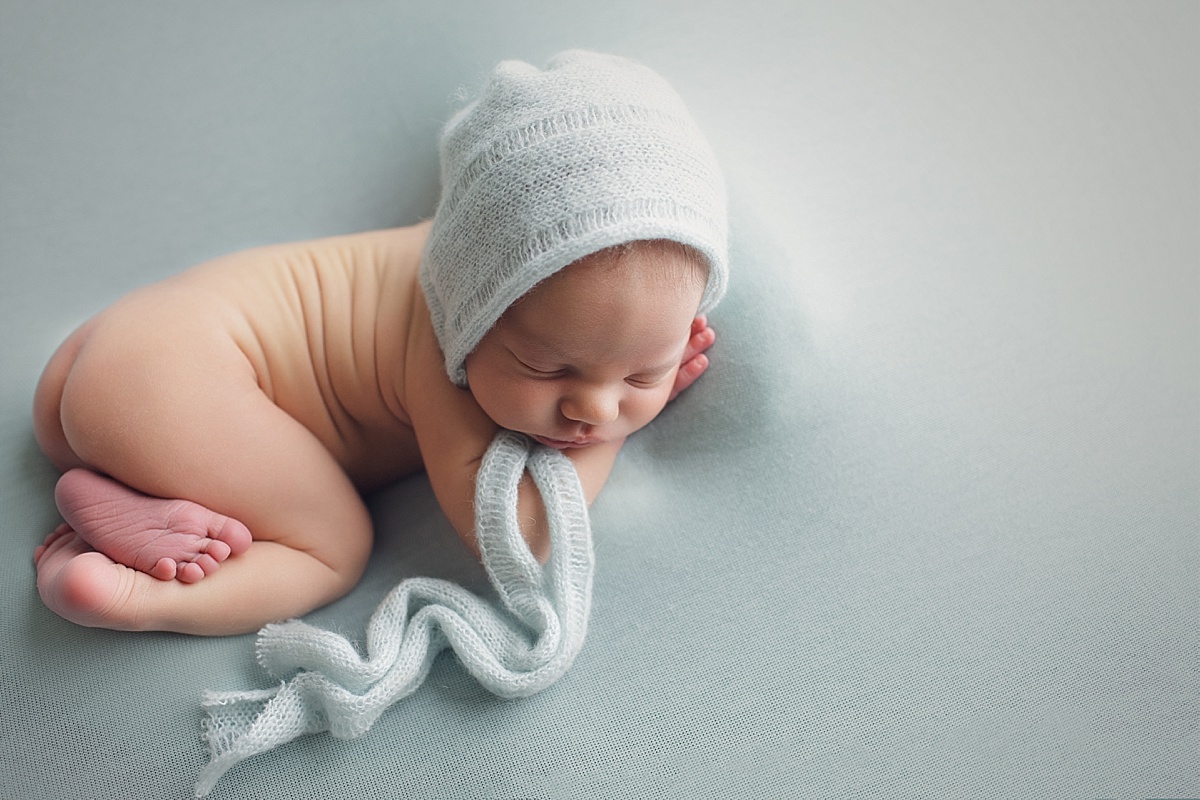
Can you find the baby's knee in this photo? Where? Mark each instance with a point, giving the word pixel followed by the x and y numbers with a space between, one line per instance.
pixel 346 555
pixel 337 532
pixel 340 572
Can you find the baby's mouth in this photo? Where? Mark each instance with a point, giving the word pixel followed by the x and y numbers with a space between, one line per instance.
pixel 563 444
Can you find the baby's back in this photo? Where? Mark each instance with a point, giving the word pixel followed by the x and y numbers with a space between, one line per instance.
pixel 324 325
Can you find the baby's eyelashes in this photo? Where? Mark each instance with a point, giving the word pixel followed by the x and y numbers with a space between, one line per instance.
pixel 540 371
pixel 543 371
pixel 648 380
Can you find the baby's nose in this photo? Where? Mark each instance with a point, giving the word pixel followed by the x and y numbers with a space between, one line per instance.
pixel 594 406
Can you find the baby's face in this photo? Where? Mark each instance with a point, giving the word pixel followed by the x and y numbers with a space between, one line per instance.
pixel 590 355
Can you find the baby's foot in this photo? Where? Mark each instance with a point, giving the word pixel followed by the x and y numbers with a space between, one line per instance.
pixel 84 586
pixel 163 538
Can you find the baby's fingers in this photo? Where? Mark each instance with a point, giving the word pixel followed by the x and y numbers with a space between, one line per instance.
pixel 688 373
pixel 702 338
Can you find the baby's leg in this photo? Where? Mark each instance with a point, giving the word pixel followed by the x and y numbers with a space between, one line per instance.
pixel 165 404
pixel 262 585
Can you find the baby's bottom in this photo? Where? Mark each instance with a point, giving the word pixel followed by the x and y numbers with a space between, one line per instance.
pixel 202 467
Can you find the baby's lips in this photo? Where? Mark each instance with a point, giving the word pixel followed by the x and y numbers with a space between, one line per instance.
pixel 562 444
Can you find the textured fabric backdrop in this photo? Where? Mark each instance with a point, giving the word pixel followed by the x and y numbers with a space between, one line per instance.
pixel 928 526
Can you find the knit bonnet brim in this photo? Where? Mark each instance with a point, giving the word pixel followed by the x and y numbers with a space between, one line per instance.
pixel 548 166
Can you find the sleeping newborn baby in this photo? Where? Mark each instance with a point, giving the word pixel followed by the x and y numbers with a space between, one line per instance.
pixel 216 430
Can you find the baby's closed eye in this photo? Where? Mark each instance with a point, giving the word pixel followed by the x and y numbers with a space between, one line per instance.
pixel 538 370
pixel 650 379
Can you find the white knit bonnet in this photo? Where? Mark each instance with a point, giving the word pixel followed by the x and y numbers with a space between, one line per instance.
pixel 548 166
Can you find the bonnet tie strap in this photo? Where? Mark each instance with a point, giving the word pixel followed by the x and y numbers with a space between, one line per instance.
pixel 513 652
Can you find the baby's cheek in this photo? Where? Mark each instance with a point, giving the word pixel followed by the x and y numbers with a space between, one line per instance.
pixel 651 403
pixel 528 401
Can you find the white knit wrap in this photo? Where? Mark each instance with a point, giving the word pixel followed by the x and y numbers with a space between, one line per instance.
pixel 512 654
pixel 548 166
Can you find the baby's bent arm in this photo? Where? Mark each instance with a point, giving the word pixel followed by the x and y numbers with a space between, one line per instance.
pixel 453 433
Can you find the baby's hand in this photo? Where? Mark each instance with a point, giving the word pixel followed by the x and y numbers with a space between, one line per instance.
pixel 694 361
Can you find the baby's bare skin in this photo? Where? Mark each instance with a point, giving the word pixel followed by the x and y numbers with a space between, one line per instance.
pixel 217 430
pixel 263 387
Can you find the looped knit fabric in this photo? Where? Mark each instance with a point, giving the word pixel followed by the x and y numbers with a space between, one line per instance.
pixel 514 653
pixel 548 166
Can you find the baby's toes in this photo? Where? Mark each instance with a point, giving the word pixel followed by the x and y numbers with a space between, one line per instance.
pixel 56 534
pixel 207 563
pixel 191 572
pixel 164 569
pixel 232 534
pixel 198 569
pixel 217 550
pixel 51 538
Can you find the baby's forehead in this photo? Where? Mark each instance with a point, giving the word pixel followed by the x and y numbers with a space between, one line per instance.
pixel 642 329
pixel 644 258
pixel 616 283
pixel 610 280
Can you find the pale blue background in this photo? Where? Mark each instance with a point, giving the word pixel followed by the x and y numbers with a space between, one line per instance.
pixel 928 527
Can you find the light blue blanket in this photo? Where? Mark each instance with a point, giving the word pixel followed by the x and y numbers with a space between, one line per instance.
pixel 928 527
